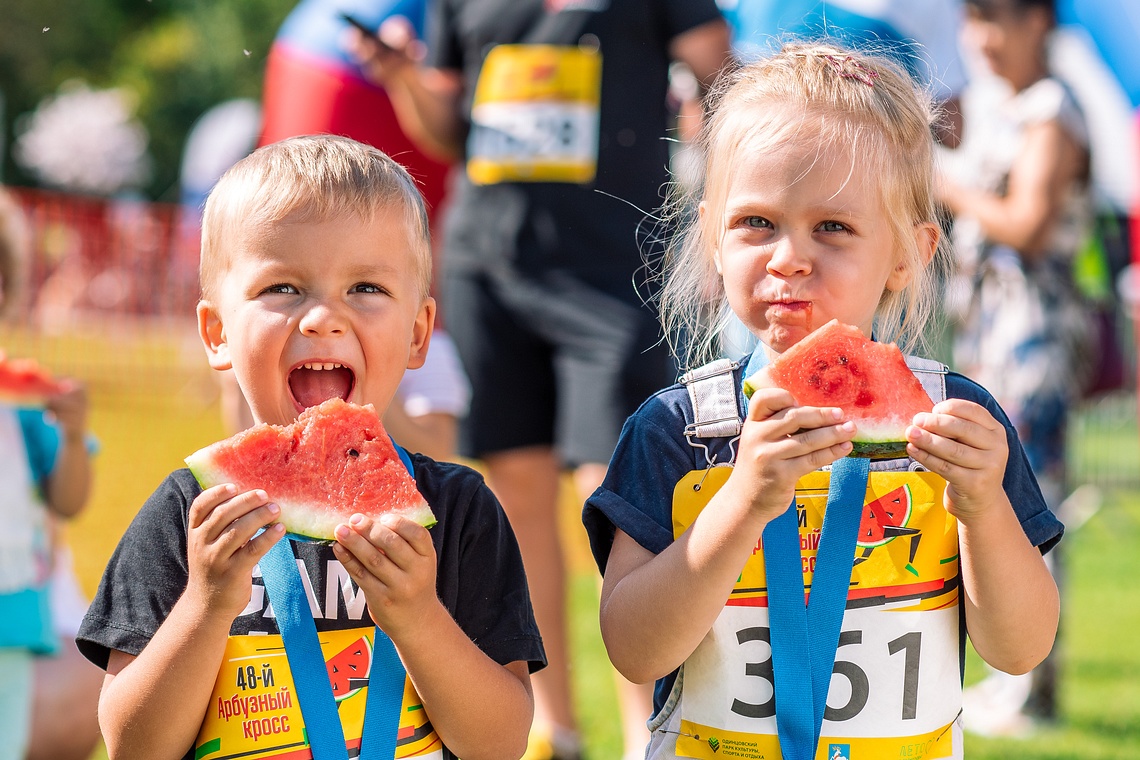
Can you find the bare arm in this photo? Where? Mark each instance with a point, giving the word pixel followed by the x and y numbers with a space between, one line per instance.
pixel 705 49
pixel 683 588
pixel 69 484
pixel 1049 162
pixel 152 706
pixel 426 100
pixel 1012 605
pixel 480 709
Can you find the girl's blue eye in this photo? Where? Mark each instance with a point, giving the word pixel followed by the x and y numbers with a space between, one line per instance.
pixel 367 287
pixel 830 226
pixel 281 287
pixel 756 221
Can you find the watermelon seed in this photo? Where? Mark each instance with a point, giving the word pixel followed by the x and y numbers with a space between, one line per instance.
pixel 353 453
pixel 842 359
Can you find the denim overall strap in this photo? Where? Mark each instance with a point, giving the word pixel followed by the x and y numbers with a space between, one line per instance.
pixel 323 730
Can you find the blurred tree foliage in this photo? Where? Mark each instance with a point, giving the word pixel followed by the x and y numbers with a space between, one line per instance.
pixel 180 57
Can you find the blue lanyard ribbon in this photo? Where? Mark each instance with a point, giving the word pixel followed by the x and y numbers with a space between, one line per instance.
pixel 282 578
pixel 809 633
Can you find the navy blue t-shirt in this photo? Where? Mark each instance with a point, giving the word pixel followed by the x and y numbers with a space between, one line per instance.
pixel 653 454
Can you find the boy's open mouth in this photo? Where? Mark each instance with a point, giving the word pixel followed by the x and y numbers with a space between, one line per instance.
pixel 315 382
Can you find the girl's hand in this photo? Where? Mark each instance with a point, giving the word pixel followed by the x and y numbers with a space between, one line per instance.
pixel 393 561
pixel 221 548
pixel 963 443
pixel 782 442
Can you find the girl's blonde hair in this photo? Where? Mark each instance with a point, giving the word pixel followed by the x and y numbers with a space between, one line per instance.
pixel 861 103
pixel 308 179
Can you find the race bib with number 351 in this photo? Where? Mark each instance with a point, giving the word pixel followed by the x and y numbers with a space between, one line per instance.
pixel 896 686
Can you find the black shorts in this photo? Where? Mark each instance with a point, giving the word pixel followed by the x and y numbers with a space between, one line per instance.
pixel 551 362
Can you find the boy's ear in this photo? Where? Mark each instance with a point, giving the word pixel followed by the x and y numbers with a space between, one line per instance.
pixel 421 334
pixel 213 336
pixel 926 236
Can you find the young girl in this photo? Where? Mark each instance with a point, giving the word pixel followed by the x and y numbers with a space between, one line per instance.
pixel 817 204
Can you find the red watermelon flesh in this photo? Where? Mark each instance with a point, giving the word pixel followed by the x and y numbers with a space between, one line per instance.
pixel 836 366
pixel 23 382
pixel 333 462
pixel 349 669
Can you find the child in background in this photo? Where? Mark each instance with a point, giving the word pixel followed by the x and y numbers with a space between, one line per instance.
pixel 315 272
pixel 818 204
pixel 45 473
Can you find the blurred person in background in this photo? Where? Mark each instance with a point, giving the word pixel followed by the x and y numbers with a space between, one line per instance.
pixel 557 109
pixel 920 34
pixel 314 86
pixel 48 693
pixel 1019 193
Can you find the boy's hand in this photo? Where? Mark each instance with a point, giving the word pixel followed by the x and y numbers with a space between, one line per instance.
pixel 221 547
pixel 69 407
pixel 393 560
pixel 963 443
pixel 782 442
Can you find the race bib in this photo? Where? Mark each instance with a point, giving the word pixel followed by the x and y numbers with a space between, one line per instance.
pixel 535 115
pixel 896 686
pixel 254 713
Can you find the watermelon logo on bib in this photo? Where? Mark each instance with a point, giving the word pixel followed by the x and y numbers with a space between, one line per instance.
pixel 883 515
pixel 349 669
pixel 884 520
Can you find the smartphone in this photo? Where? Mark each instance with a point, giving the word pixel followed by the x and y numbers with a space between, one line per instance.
pixel 367 30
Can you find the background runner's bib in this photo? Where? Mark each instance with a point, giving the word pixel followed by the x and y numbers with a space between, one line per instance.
pixel 254 713
pixel 535 115
pixel 896 686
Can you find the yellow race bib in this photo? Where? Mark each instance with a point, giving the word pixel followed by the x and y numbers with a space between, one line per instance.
pixel 896 685
pixel 535 115
pixel 254 713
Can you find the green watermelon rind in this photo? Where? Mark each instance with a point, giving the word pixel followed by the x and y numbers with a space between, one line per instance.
pixel 303 520
pixel 880 439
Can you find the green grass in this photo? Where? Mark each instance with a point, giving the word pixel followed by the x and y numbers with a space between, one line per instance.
pixel 154 402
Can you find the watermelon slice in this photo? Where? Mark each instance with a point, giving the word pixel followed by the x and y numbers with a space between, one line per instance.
pixel 869 381
pixel 333 462
pixel 23 382
pixel 884 516
pixel 349 669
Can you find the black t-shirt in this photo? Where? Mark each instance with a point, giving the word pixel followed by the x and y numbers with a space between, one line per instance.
pixel 480 577
pixel 589 229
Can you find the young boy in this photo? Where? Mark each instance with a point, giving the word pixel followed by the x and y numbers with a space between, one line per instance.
pixel 314 273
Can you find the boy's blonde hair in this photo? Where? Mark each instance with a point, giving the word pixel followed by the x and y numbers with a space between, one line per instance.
pixel 308 179
pixel 829 97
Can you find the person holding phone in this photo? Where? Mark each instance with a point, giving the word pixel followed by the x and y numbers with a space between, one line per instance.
pixel 557 110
